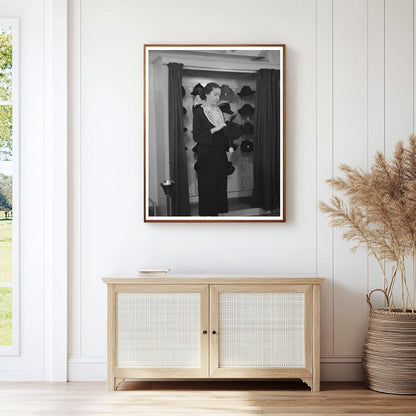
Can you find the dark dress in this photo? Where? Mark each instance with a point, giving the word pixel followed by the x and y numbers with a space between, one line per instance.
pixel 211 166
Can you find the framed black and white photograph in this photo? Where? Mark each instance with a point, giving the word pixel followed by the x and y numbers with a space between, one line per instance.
pixel 214 133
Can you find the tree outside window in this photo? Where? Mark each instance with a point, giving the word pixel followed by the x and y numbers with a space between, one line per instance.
pixel 6 203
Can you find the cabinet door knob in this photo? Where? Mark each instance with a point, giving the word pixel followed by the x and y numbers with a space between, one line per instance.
pixel 205 332
pixel 214 332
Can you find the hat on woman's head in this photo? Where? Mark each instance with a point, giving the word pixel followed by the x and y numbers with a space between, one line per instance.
pixel 246 110
pixel 246 146
pixel 225 108
pixel 246 91
pixel 247 128
pixel 198 90
pixel 227 94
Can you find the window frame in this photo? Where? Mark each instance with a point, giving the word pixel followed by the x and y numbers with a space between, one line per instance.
pixel 14 349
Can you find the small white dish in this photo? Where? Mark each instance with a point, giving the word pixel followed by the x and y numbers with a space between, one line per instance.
pixel 153 272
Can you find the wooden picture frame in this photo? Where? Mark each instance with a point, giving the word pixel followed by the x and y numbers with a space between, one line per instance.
pixel 229 167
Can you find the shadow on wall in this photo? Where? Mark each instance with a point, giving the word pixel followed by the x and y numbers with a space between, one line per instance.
pixel 344 318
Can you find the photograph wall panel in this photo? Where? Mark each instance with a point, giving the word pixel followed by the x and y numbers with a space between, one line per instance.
pixel 216 164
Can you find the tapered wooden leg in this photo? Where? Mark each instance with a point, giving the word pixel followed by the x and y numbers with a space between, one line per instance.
pixel 111 383
pixel 316 384
pixel 118 381
pixel 114 382
pixel 316 372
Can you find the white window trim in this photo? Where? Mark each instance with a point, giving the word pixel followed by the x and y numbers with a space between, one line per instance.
pixel 14 349
pixel 56 188
pixel 44 357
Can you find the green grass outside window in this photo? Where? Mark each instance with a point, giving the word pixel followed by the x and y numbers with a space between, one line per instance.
pixel 5 277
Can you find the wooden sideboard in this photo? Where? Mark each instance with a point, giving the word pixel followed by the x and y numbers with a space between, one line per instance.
pixel 198 327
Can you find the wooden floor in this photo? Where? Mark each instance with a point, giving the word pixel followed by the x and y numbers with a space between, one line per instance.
pixel 198 398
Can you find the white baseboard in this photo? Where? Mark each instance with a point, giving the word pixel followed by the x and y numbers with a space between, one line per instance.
pixel 332 368
pixel 341 369
pixel 82 368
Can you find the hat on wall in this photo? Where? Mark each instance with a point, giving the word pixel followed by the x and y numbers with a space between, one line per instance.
pixel 246 110
pixel 227 94
pixel 246 146
pixel 225 108
pixel 230 168
pixel 198 90
pixel 247 128
pixel 246 91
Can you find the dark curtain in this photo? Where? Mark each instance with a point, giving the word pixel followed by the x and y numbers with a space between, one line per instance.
pixel 177 154
pixel 266 157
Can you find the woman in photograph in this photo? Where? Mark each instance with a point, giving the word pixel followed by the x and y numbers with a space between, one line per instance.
pixel 211 166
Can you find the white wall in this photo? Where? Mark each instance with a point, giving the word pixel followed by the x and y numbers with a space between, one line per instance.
pixel 350 91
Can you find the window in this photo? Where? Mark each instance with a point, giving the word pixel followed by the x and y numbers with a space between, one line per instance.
pixel 9 159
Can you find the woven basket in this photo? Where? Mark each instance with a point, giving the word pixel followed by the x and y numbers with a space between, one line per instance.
pixel 389 353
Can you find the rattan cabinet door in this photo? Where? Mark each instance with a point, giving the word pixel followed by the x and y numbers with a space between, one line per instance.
pixel 260 331
pixel 161 331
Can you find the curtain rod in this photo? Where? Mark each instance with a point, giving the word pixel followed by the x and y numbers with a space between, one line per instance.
pixel 243 71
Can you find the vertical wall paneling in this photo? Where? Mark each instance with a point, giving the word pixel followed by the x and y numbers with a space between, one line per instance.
pixel 350 146
pixel 414 68
pixel 101 129
pixel 399 87
pixel 399 72
pixel 350 92
pixel 324 262
pixel 74 183
pixel 414 119
pixel 55 141
pixel 376 133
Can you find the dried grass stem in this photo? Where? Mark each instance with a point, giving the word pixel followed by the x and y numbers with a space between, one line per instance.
pixel 379 214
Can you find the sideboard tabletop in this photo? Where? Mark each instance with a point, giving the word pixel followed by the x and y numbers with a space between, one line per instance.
pixel 178 279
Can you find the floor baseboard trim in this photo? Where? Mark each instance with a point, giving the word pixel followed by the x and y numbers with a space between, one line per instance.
pixel 87 368
pixel 333 368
